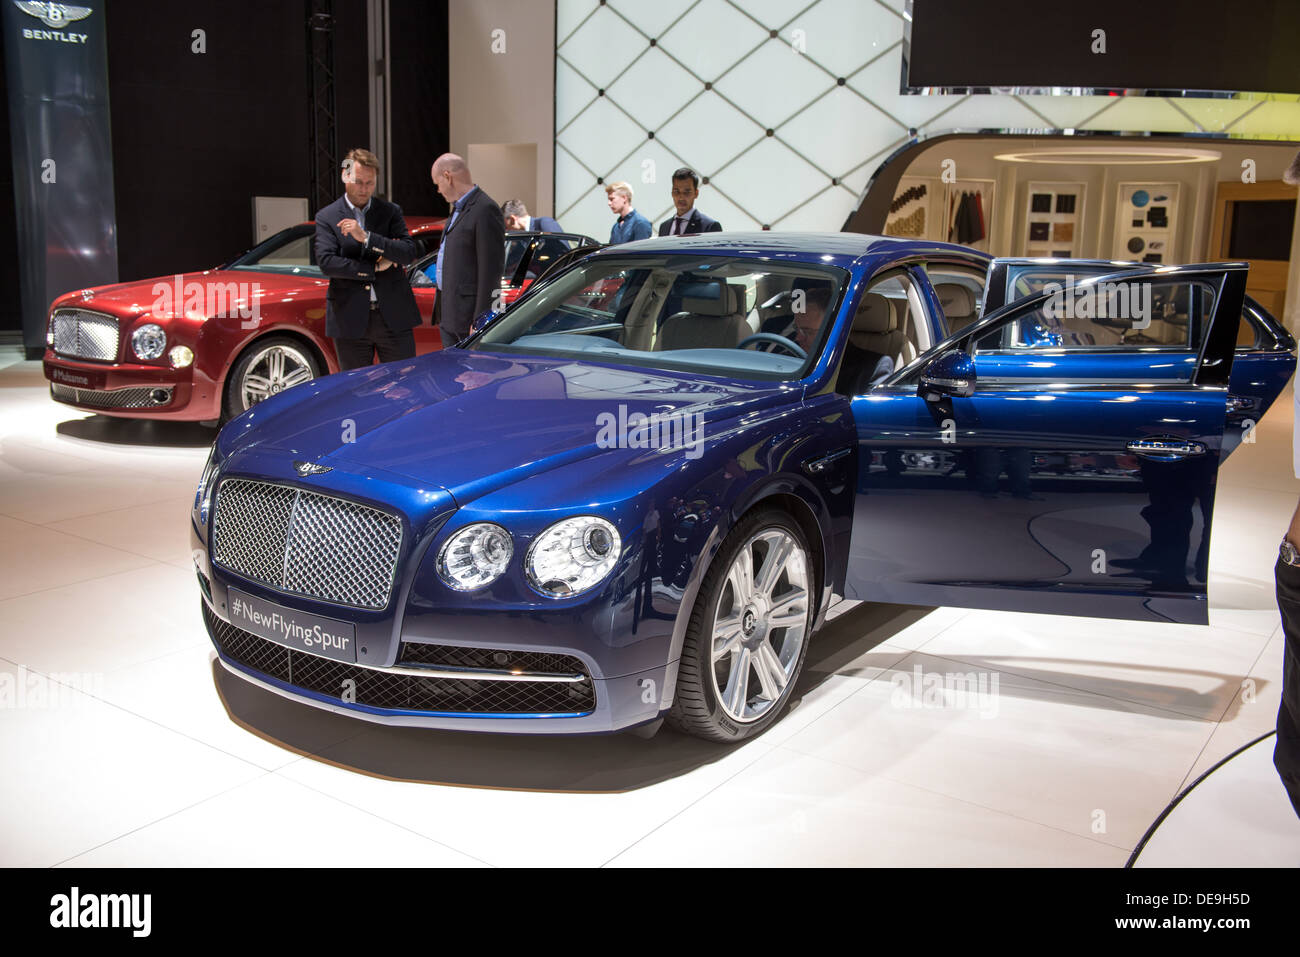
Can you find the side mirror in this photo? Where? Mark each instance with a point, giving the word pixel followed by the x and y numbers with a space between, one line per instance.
pixel 952 374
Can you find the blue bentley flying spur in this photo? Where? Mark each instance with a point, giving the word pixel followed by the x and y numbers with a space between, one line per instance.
pixel 633 495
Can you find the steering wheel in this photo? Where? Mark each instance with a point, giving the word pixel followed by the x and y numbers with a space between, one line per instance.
pixel 775 339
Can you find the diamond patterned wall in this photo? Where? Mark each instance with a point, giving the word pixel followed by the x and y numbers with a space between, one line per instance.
pixel 642 88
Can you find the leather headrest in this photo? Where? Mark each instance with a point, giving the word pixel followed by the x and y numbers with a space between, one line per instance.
pixel 736 298
pixel 729 302
pixel 875 315
pixel 956 300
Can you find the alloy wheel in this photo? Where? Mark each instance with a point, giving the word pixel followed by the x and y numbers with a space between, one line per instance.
pixel 271 371
pixel 760 624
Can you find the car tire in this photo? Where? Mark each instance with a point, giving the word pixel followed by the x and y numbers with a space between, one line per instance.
pixel 279 362
pixel 739 667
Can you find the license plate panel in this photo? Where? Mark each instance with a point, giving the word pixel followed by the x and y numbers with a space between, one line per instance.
pixel 299 630
pixel 75 378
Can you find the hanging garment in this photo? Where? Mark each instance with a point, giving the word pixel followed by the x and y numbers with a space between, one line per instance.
pixel 967 222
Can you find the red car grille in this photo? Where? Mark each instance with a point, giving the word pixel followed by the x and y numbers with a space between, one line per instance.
pixel 79 334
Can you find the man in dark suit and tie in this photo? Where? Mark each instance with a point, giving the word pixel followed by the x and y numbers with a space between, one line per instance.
pixel 472 253
pixel 689 220
pixel 361 245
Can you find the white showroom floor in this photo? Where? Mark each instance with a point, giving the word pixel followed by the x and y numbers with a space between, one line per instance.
pixel 146 752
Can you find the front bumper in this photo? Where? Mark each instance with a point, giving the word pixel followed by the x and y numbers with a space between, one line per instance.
pixel 426 697
pixel 131 390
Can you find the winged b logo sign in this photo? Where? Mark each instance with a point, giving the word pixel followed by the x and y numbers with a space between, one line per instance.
pixel 52 14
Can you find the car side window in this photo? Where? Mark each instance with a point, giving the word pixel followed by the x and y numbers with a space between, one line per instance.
pixel 1139 314
pixel 960 292
pixel 296 252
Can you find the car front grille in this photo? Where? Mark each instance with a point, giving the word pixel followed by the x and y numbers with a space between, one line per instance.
pixel 416 654
pixel 85 335
pixel 377 688
pixel 304 543
pixel 113 398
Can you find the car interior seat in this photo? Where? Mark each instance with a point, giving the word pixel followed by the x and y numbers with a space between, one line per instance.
pixel 707 323
pixel 958 304
pixel 907 327
pixel 876 343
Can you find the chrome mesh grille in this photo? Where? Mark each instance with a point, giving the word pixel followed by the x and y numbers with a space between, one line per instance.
pixel 111 398
pixel 85 335
pixel 305 543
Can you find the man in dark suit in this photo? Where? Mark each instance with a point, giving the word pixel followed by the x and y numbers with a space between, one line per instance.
pixel 361 243
pixel 689 220
pixel 472 253
pixel 518 220
pixel 548 250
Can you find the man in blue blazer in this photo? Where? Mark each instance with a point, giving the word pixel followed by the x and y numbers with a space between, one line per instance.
pixel 689 220
pixel 630 225
pixel 362 245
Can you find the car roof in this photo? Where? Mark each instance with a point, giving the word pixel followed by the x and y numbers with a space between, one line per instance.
pixel 839 249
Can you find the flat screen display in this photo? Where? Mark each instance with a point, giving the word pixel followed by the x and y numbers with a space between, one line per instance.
pixel 1169 46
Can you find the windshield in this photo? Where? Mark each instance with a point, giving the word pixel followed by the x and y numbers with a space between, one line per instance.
pixel 719 314
pixel 290 251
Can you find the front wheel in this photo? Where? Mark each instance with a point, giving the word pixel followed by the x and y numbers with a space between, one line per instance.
pixel 748 634
pixel 267 368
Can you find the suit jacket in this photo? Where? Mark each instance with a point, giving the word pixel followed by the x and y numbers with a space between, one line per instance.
pixel 351 269
pixel 698 223
pixel 474 255
pixel 544 224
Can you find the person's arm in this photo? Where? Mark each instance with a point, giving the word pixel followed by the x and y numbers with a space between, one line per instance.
pixel 399 247
pixel 490 250
pixel 714 227
pixel 641 229
pixel 332 262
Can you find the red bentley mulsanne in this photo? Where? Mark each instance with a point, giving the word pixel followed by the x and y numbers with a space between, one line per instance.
pixel 205 346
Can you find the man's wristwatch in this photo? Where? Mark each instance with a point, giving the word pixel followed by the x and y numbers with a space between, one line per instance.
pixel 1289 554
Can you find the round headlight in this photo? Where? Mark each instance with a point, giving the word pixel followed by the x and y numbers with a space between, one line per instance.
pixel 181 356
pixel 572 556
pixel 149 341
pixel 475 556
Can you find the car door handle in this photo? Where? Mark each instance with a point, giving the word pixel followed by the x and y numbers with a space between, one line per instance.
pixel 819 465
pixel 1165 450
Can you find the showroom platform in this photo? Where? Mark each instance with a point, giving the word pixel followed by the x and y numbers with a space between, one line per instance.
pixel 143 751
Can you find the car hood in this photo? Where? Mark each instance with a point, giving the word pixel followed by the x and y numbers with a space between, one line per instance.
pixel 471 422
pixel 130 299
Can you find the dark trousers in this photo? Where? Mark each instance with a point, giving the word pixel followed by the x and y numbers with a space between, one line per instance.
pixel 1286 752
pixel 449 338
pixel 358 353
